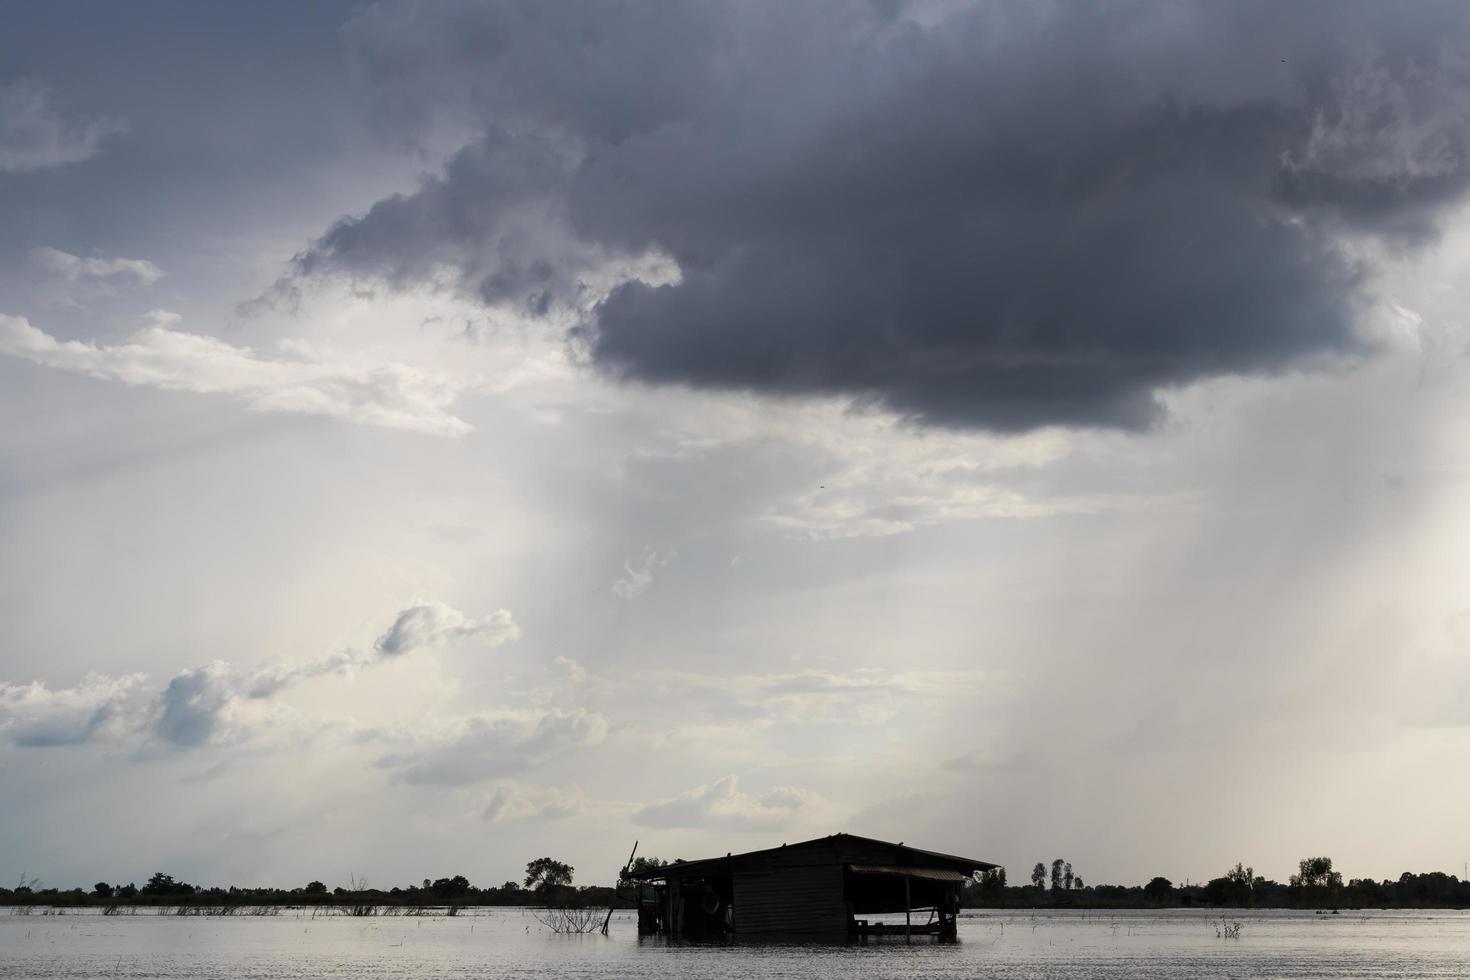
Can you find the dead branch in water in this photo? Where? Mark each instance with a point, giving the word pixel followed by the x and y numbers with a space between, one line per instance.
pixel 570 921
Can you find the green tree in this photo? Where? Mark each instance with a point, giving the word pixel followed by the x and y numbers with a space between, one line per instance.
pixel 1067 876
pixel 102 890
pixel 1038 875
pixel 544 874
pixel 315 888
pixel 1056 874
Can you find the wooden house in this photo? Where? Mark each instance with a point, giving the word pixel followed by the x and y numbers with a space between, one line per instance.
pixel 824 887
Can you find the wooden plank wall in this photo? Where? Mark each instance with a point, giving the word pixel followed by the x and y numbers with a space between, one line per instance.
pixel 793 900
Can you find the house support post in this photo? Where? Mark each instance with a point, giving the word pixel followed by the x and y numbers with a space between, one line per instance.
pixel 907 913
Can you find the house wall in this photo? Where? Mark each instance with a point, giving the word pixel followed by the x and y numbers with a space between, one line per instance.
pixel 800 899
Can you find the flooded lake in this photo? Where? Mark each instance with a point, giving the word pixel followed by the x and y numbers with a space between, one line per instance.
pixel 497 943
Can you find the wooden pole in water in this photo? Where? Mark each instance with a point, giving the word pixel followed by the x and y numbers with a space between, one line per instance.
pixel 608 920
pixel 907 913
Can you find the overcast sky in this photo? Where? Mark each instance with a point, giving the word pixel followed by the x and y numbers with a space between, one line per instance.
pixel 439 435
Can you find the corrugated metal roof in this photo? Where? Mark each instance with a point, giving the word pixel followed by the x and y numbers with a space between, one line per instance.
pixel 730 862
pixel 929 874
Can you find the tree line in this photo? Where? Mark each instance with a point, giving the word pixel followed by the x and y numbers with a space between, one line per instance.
pixel 551 882
pixel 547 882
pixel 1316 885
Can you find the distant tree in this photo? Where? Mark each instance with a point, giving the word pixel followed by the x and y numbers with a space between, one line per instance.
pixel 992 883
pixel 1056 874
pixel 1242 883
pixel 1159 889
pixel 647 864
pixel 1067 876
pixel 315 888
pixel 544 874
pixel 160 884
pixel 1038 875
pixel 456 887
pixel 625 876
pixel 102 890
pixel 1077 883
pixel 167 886
pixel 129 890
pixel 1316 872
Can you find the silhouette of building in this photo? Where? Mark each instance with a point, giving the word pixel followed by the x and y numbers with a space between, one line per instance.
pixel 823 887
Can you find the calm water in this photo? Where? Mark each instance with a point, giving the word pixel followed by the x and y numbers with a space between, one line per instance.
pixel 499 943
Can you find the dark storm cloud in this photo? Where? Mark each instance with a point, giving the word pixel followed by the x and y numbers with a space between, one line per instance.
pixel 1006 217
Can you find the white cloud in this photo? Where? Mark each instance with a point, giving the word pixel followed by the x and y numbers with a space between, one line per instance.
pixel 197 702
pixel 568 670
pixel 265 682
pixel 218 703
pixel 35 716
pixel 510 801
pixel 636 579
pixel 207 704
pixel 490 746
pixel 72 268
pixel 34 136
pixel 191 704
pixel 722 806
pixel 161 318
pixel 432 624
pixel 862 696
pixel 826 469
pixel 877 478
pixel 391 395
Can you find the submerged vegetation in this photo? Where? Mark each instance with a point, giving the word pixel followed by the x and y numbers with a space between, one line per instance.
pixel 573 920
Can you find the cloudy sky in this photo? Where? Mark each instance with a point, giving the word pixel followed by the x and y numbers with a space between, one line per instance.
pixel 442 434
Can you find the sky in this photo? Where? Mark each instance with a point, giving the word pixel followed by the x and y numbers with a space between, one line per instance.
pixel 442 434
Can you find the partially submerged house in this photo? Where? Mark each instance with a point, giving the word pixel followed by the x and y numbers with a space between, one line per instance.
pixel 824 887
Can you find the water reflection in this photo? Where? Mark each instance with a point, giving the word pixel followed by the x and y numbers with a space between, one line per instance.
pixel 509 943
